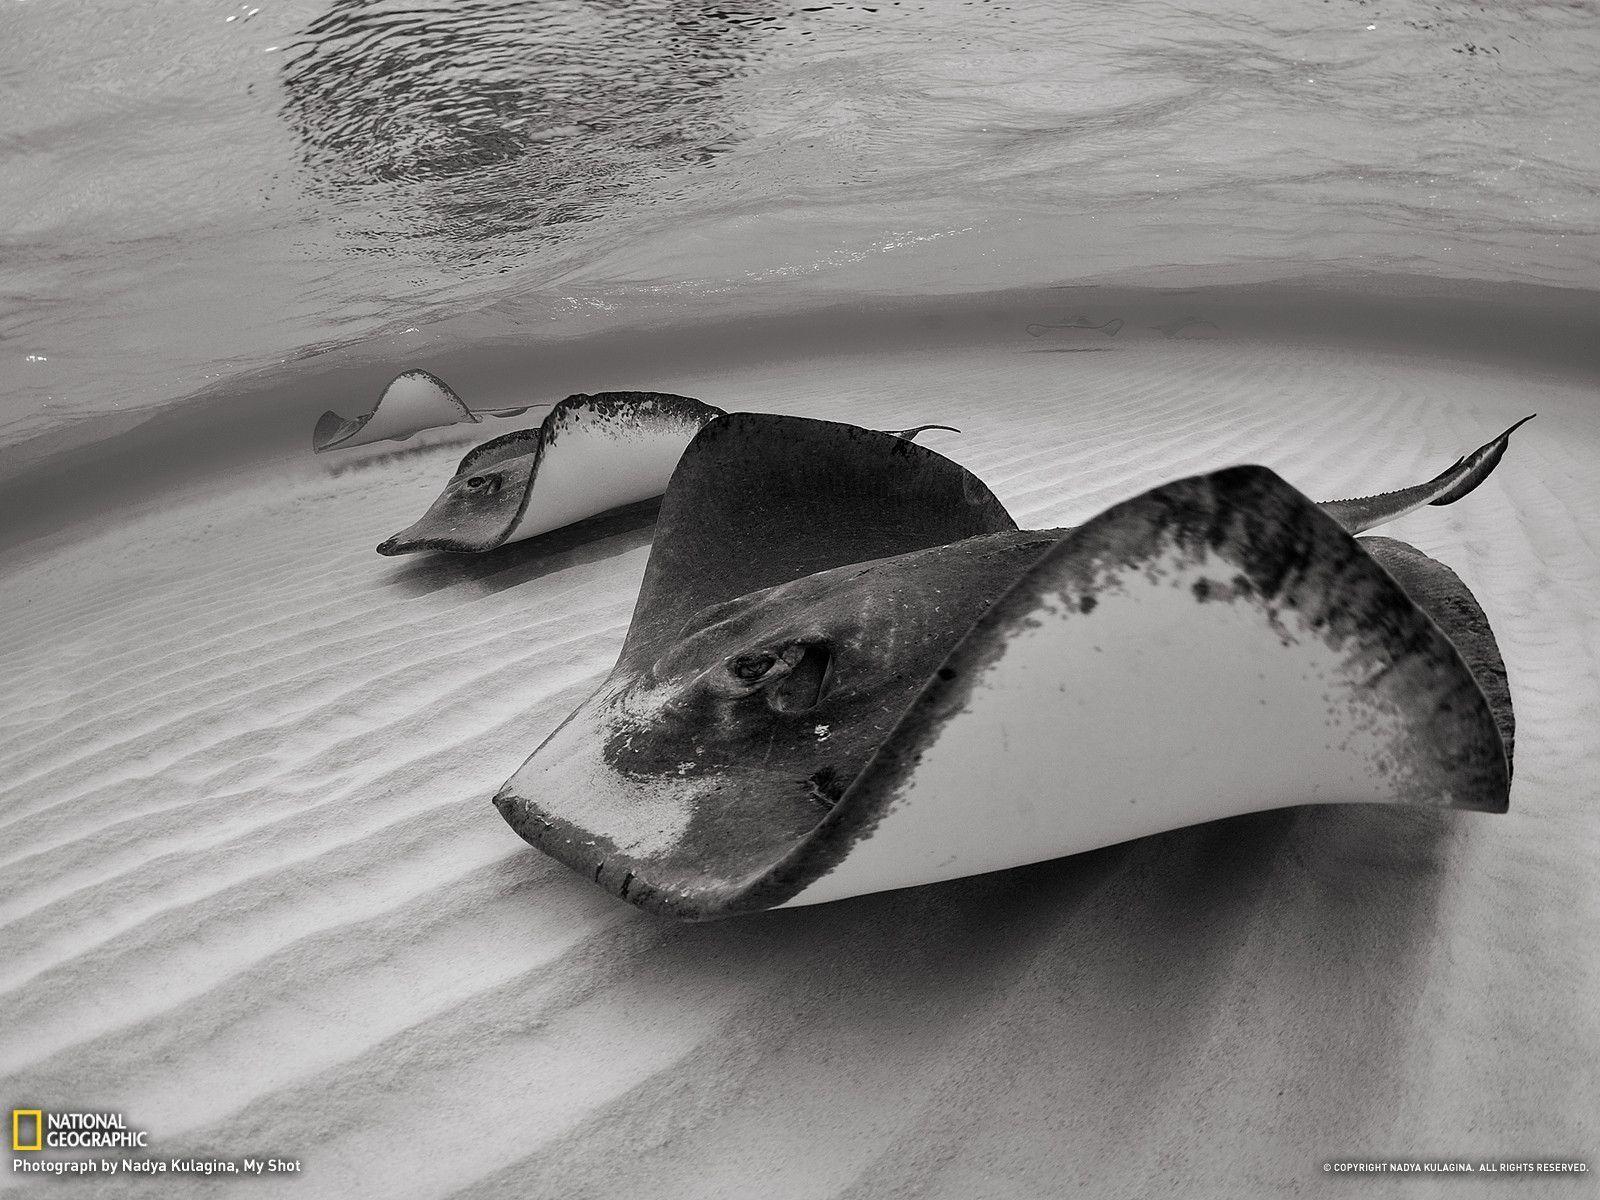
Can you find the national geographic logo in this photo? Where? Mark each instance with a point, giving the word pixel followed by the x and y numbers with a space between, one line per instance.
pixel 34 1129
pixel 20 1118
pixel 38 1129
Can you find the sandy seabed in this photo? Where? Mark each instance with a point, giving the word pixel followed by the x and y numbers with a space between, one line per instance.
pixel 256 898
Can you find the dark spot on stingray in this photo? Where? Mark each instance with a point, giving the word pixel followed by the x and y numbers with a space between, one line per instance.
pixel 946 673
pixel 1202 590
pixel 826 786
pixel 1086 604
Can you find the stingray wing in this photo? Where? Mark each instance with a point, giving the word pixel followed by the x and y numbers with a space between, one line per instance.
pixel 1454 482
pixel 759 499
pixel 591 453
pixel 413 401
pixel 1214 647
pixel 604 451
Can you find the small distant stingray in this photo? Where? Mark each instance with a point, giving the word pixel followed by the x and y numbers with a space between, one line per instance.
pixel 1109 328
pixel 1188 328
pixel 849 671
pixel 414 401
pixel 589 455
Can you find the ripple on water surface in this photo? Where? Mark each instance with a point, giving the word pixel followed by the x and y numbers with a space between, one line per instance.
pixel 198 192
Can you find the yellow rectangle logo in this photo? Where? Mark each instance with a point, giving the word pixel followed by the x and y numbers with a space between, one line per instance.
pixel 17 1115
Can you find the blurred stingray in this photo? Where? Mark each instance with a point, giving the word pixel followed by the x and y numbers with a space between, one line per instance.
pixel 848 671
pixel 1109 328
pixel 413 401
pixel 590 454
pixel 1188 329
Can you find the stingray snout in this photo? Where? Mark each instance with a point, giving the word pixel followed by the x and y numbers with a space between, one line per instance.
pixel 398 544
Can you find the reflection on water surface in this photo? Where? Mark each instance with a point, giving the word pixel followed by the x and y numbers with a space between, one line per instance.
pixel 190 197
pixel 458 123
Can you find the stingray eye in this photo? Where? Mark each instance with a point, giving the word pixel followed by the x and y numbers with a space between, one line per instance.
pixel 484 485
pixel 751 667
pixel 792 680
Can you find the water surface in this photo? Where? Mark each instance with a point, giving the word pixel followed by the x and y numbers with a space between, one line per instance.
pixel 195 193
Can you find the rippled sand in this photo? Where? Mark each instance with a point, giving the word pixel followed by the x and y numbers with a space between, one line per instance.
pixel 255 896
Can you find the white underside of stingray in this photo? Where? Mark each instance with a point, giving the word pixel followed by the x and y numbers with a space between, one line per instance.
pixel 1172 714
pixel 600 466
pixel 413 402
pixel 589 455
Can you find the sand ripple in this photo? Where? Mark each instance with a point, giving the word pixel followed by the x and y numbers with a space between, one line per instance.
pixel 256 897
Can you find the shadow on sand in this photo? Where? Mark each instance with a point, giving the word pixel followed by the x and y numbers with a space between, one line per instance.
pixel 1079 997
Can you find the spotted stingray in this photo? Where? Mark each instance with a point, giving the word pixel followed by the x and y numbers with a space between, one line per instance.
pixel 590 454
pixel 849 671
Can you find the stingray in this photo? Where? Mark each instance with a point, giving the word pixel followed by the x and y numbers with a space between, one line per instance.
pixel 413 401
pixel 1188 329
pixel 1109 328
pixel 590 454
pixel 849 671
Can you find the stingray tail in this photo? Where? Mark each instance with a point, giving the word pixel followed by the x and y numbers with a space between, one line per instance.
pixel 1454 482
pixel 1470 471
pixel 910 435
